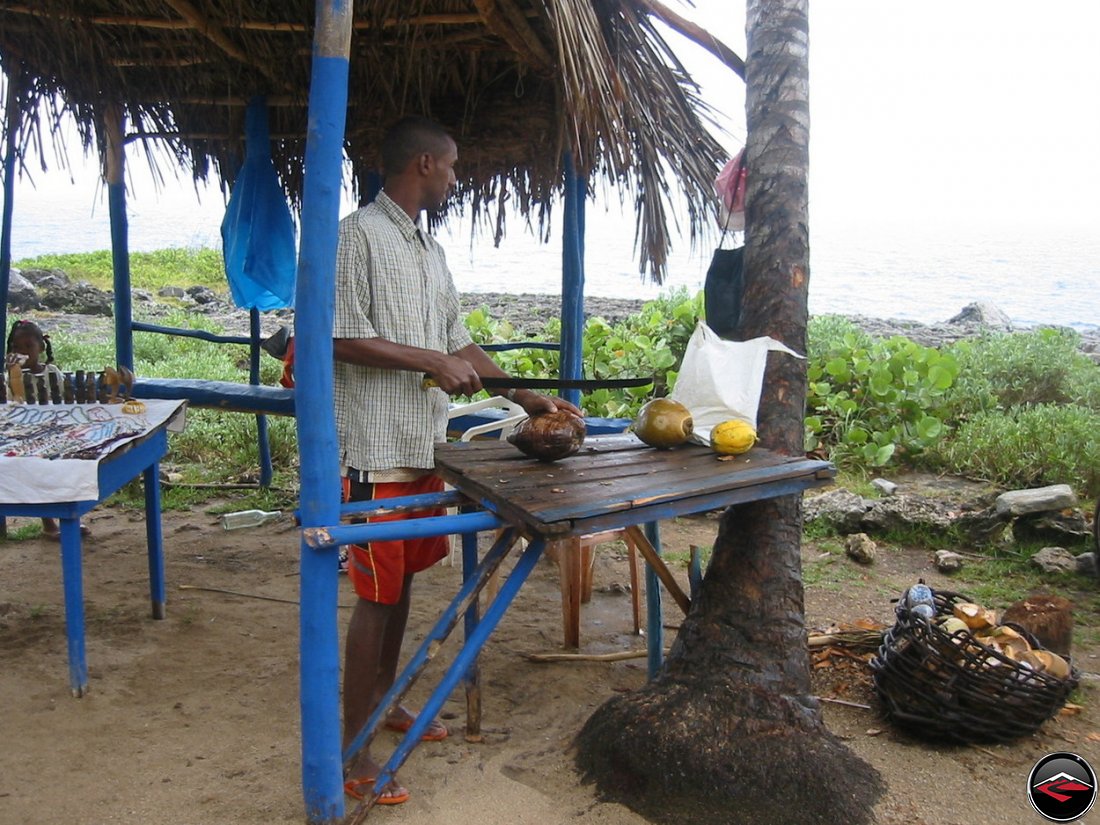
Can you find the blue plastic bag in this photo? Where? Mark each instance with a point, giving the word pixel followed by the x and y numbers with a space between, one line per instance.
pixel 258 234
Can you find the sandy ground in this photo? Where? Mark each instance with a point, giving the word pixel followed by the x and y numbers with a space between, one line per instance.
pixel 194 720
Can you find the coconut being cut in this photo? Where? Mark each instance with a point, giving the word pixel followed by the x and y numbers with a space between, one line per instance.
pixel 549 436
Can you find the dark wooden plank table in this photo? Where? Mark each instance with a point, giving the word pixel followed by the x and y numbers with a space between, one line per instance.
pixel 617 481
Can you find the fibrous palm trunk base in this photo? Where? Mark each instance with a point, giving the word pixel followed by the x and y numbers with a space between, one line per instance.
pixel 719 753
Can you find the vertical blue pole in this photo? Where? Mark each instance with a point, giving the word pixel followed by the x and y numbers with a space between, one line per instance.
pixel 572 286
pixel 154 537
pixel 655 628
pixel 114 128
pixel 262 441
pixel 11 124
pixel 319 661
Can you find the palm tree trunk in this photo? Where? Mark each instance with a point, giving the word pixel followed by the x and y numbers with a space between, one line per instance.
pixel 728 731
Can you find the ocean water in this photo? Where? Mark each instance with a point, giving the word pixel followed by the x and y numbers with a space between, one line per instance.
pixel 912 273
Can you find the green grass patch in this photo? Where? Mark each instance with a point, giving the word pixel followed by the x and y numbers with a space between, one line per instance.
pixel 178 266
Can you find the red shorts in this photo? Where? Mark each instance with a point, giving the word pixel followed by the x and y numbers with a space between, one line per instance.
pixel 378 571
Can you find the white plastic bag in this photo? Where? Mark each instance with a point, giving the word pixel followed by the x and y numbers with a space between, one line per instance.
pixel 720 380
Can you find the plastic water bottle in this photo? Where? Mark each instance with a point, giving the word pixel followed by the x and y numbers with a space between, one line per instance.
pixel 249 518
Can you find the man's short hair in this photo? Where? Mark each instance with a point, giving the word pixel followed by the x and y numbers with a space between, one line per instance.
pixel 409 137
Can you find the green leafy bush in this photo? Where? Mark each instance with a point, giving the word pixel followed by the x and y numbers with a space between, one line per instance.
pixel 870 402
pixel 650 343
pixel 1002 371
pixel 1028 446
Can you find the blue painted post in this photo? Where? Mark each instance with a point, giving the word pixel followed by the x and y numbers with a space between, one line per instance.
pixel 154 539
pixel 263 443
pixel 114 128
pixel 655 629
pixel 572 278
pixel 319 661
pixel 12 121
pixel 72 576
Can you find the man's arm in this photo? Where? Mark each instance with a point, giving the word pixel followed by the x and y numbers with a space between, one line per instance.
pixel 455 375
pixel 532 402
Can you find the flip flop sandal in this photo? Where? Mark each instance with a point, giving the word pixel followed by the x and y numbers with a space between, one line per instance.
pixel 436 731
pixel 394 796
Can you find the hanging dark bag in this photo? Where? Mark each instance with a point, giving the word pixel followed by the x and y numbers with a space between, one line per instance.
pixel 722 290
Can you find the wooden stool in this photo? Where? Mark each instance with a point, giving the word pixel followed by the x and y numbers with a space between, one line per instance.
pixel 576 559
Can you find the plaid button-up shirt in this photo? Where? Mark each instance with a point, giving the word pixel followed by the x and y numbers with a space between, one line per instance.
pixel 392 282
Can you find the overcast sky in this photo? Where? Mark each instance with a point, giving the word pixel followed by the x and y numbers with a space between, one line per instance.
pixel 966 111
pixel 979 112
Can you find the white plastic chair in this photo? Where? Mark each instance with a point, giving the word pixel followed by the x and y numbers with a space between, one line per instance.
pixel 515 415
pixel 506 424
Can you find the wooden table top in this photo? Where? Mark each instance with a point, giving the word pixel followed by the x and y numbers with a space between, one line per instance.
pixel 616 480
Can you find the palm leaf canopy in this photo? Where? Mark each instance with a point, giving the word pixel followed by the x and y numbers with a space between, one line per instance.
pixel 518 82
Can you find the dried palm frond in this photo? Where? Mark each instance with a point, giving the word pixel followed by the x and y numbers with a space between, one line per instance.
pixel 517 81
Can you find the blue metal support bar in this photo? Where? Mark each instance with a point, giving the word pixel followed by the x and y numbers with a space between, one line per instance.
pixel 319 661
pixel 461 664
pixel 421 501
pixel 466 595
pixel 470 623
pixel 201 334
pixel 572 277
pixel 655 628
pixel 320 538
pixel 114 128
pixel 263 443
pixel 11 123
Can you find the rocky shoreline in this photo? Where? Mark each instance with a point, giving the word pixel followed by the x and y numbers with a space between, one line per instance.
pixel 82 309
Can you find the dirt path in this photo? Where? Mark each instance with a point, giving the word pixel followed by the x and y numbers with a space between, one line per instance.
pixel 194 720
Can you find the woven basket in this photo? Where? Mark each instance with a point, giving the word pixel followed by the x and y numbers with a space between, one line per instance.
pixel 957 689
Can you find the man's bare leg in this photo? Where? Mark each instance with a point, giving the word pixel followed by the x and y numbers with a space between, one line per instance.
pixel 372 651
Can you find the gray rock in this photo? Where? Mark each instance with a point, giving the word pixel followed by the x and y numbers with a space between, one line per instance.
pixel 982 527
pixel 171 292
pixel 47 278
pixel 860 548
pixel 842 509
pixel 983 314
pixel 1037 500
pixel 22 294
pixel 887 488
pixel 1086 564
pixel 902 511
pixel 948 562
pixel 1055 560
pixel 202 295
pixel 81 298
pixel 1062 527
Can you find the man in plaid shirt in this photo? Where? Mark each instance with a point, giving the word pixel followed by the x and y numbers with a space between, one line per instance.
pixel 397 318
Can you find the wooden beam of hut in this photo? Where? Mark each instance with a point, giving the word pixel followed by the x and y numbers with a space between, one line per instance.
pixel 510 24
pixel 219 38
pixel 454 19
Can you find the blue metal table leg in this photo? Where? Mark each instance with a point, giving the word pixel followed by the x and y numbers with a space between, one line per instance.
pixel 72 576
pixel 430 646
pixel 473 615
pixel 655 640
pixel 462 661
pixel 154 539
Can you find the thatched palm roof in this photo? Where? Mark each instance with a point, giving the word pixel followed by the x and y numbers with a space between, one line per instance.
pixel 517 81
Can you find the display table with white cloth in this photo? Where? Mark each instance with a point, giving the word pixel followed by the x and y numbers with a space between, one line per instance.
pixel 60 461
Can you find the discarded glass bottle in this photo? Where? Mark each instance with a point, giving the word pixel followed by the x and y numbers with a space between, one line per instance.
pixel 249 518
